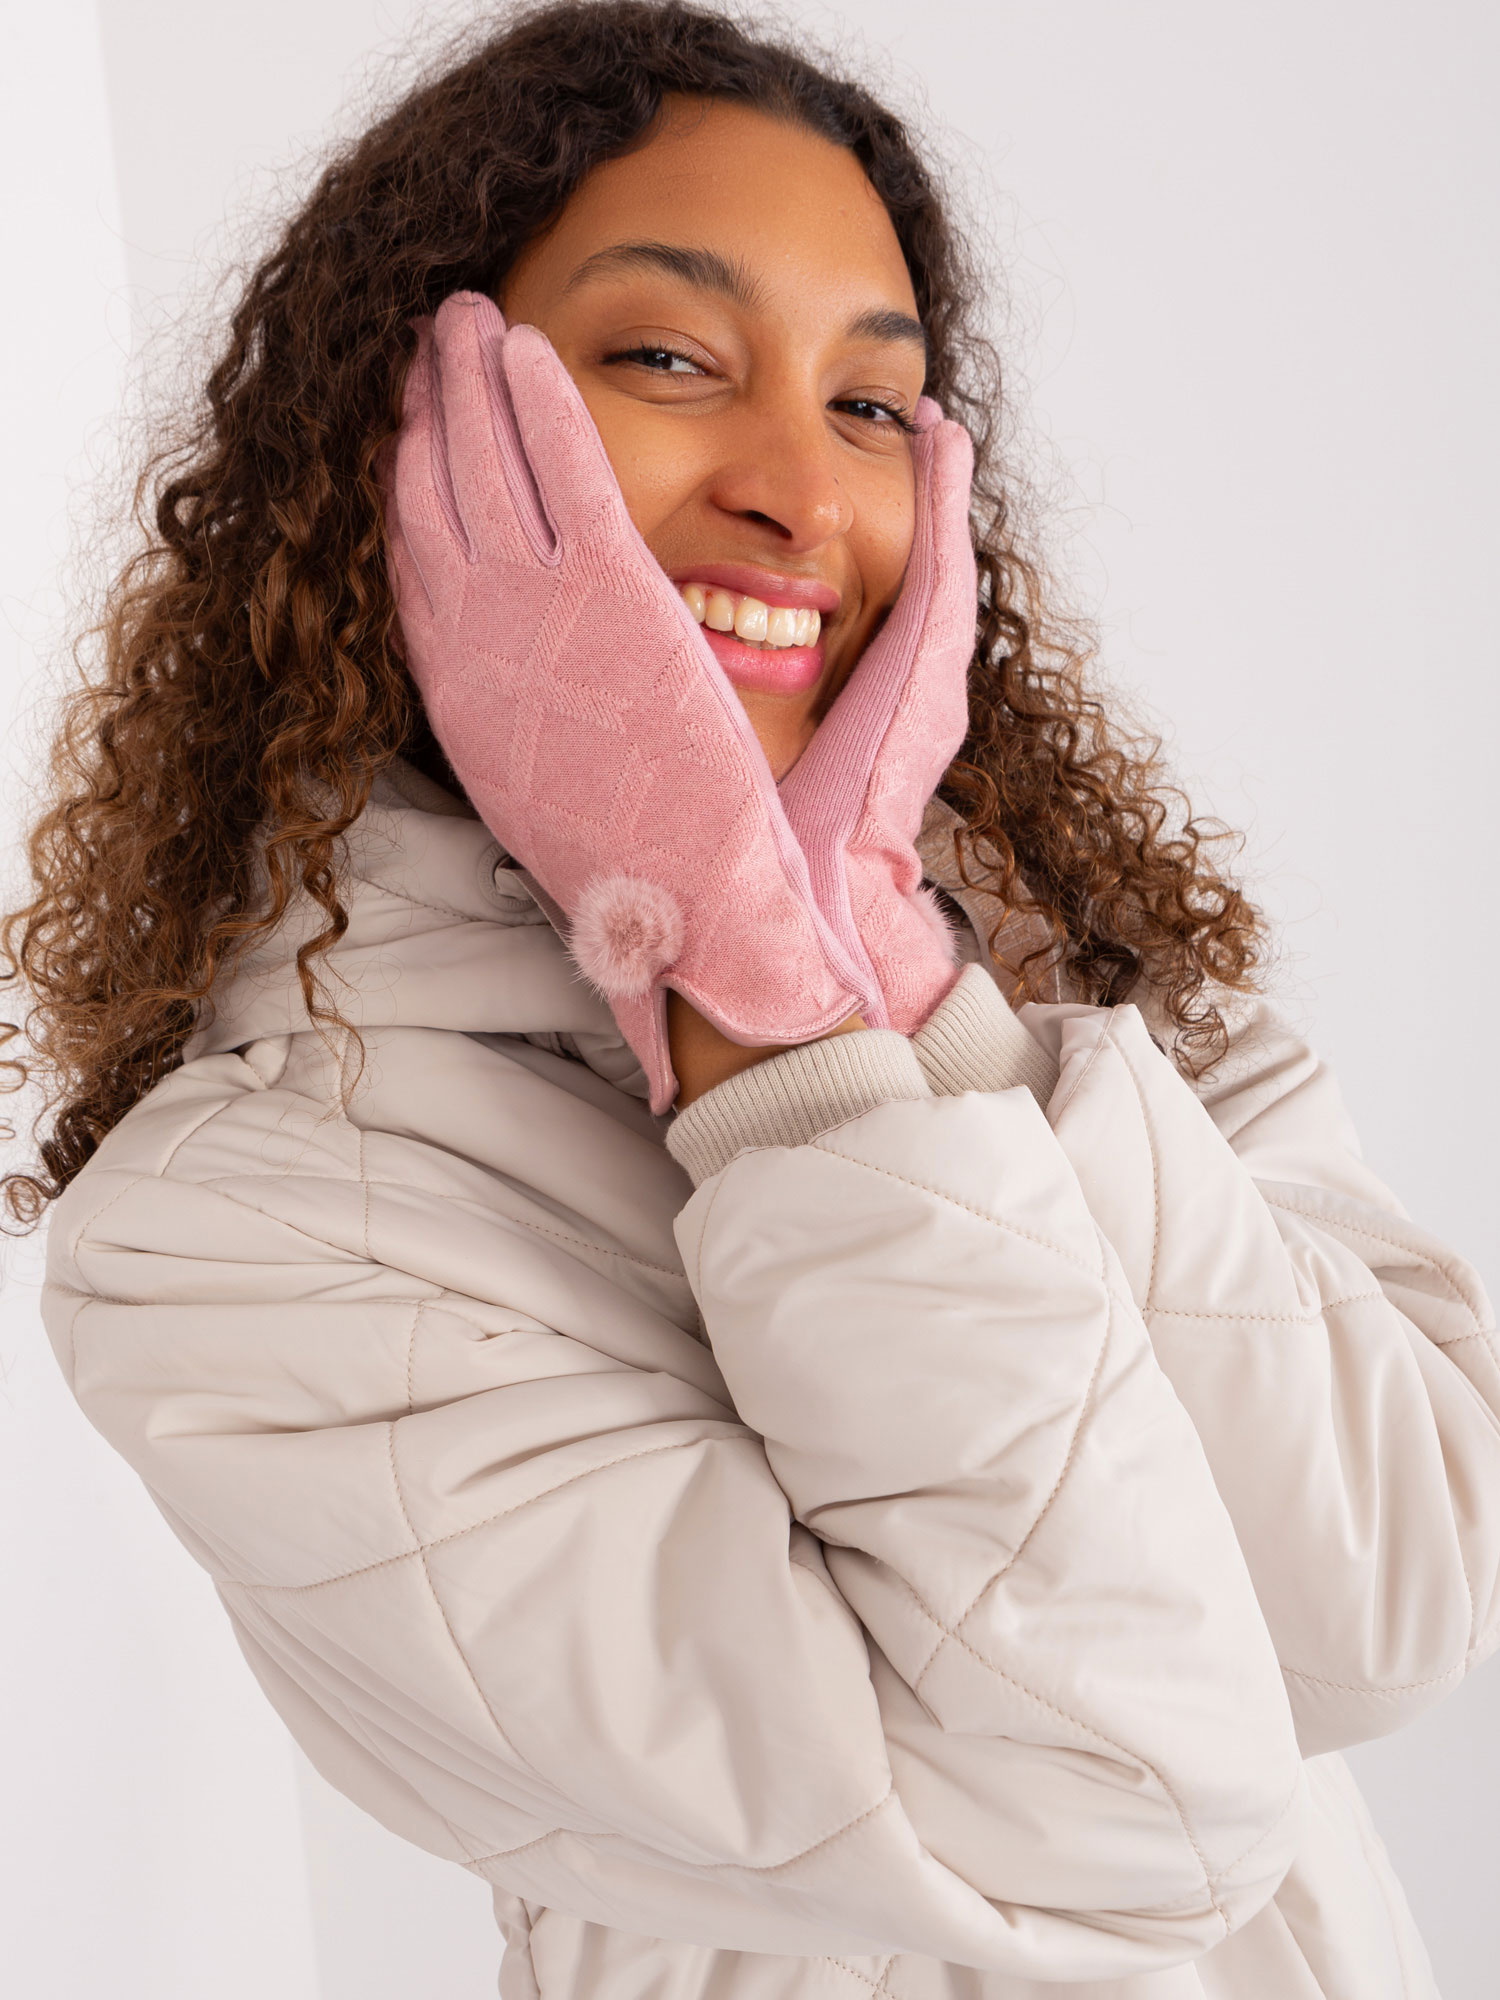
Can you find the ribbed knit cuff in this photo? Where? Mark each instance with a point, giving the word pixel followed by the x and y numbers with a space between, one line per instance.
pixel 973 1041
pixel 793 1097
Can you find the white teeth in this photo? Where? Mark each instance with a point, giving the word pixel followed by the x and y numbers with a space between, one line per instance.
pixel 751 619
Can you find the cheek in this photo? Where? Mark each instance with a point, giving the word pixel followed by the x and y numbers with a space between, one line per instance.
pixel 880 539
pixel 653 457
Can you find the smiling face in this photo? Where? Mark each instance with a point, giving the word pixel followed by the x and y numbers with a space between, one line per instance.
pixel 733 304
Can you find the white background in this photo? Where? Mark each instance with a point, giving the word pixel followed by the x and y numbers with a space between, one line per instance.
pixel 1252 268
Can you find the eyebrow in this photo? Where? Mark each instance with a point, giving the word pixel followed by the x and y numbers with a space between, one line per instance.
pixel 706 269
pixel 885 323
pixel 712 272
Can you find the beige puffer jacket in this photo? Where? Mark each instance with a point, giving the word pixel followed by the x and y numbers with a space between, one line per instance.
pixel 896 1566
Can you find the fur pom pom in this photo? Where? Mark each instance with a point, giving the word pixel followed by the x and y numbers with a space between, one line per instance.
pixel 626 932
pixel 941 924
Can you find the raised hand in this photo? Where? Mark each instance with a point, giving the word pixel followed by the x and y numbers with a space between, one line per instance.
pixel 592 728
pixel 856 796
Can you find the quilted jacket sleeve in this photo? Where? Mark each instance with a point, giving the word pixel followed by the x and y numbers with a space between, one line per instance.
pixel 902 1615
pixel 1339 1362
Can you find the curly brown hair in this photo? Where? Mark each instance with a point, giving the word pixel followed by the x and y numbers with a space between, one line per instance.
pixel 249 692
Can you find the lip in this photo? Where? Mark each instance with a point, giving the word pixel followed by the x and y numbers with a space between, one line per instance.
pixel 802 593
pixel 787 670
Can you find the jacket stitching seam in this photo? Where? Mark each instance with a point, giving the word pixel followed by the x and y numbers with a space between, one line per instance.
pixel 1078 1082
pixel 135 1181
pixel 1431 1264
pixel 1154 1153
pixel 71 1371
pixel 505 1853
pixel 726 1867
pixel 1179 1904
pixel 540 1228
pixel 1282 1810
pixel 354 1725
pixel 217 1185
pixel 1084 1410
pixel 411 1362
pixel 1395 1688
pixel 1350 1228
pixel 939 1194
pixel 1122 1300
pixel 162 1170
pixel 579 1242
pixel 92 1297
pixel 1182 1903
pixel 882 1977
pixel 220 1184
pixel 801 1562
pixel 438 909
pixel 465 1319
pixel 1088 1730
pixel 826 1840
pixel 1312 1318
pixel 696 1282
pixel 438 1541
pixel 599 1249
pixel 441 1303
pixel 421 1550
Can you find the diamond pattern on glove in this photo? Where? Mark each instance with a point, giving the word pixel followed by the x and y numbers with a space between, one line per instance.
pixel 581 707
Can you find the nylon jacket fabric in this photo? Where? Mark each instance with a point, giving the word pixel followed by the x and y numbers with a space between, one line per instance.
pixel 916 1562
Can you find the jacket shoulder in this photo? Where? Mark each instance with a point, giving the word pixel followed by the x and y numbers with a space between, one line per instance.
pixel 186 1179
pixel 451 1168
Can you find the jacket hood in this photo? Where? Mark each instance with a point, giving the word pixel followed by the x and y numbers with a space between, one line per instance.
pixel 447 931
pixel 444 932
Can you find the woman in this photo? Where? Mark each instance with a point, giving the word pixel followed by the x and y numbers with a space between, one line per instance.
pixel 820 1474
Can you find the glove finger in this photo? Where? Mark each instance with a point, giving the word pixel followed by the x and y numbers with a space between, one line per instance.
pixel 423 531
pixel 492 485
pixel 949 483
pixel 944 454
pixel 934 628
pixel 562 442
pixel 954 608
pixel 905 705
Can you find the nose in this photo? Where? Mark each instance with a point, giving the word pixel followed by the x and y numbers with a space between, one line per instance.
pixel 780 470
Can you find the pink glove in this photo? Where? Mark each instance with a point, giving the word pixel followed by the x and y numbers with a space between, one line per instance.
pixel 856 795
pixel 593 729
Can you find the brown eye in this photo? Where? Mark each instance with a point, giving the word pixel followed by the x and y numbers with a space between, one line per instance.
pixel 658 359
pixel 869 410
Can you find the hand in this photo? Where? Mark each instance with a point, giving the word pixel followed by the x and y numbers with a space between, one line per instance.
pixel 702 1057
pixel 592 728
pixel 856 796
